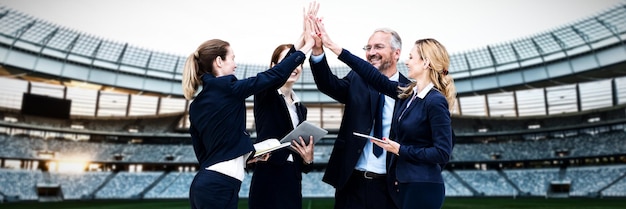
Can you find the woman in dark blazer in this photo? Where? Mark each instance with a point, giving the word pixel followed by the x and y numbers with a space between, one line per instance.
pixel 218 116
pixel 277 182
pixel 422 141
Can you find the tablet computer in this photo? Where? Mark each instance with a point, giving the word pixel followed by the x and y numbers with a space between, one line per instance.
pixel 370 137
pixel 305 129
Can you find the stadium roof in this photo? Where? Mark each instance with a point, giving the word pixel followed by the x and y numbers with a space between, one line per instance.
pixel 587 50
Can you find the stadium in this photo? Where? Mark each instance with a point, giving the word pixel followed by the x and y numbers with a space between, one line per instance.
pixel 85 119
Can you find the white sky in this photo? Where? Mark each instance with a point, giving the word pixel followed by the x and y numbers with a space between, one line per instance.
pixel 255 27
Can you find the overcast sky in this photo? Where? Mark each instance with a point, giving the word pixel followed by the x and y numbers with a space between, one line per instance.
pixel 255 27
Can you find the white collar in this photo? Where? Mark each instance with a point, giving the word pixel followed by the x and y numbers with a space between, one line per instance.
pixel 395 76
pixel 294 96
pixel 424 91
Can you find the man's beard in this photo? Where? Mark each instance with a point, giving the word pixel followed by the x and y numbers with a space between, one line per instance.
pixel 384 64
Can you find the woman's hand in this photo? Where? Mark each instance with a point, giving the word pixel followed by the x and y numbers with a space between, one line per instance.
pixel 318 47
pixel 305 150
pixel 260 158
pixel 298 45
pixel 306 42
pixel 389 145
pixel 328 43
pixel 309 27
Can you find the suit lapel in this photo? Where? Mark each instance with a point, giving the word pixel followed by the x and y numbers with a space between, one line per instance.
pixel 398 107
pixel 300 112
pixel 280 99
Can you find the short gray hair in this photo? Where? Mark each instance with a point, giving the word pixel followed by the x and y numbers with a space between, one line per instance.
pixel 396 41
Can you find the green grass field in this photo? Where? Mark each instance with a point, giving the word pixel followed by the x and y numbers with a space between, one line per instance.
pixel 451 203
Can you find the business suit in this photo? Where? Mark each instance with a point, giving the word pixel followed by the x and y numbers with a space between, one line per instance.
pixel 218 129
pixel 423 129
pixel 360 101
pixel 277 183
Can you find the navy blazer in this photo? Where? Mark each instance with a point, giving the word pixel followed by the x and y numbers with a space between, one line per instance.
pixel 282 178
pixel 272 120
pixel 218 113
pixel 424 130
pixel 360 101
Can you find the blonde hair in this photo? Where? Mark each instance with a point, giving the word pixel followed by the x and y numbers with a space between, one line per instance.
pixel 430 49
pixel 200 62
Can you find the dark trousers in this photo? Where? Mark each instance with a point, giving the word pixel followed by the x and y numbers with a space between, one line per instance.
pixel 421 195
pixel 276 186
pixel 210 189
pixel 364 193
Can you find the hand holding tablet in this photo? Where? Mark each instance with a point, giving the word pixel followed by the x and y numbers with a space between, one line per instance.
pixel 370 137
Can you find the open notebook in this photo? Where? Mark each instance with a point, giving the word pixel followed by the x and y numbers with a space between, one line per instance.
pixel 267 146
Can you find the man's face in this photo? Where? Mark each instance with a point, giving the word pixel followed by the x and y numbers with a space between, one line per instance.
pixel 378 51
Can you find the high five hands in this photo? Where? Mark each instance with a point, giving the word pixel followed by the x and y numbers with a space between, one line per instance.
pixel 321 36
pixel 306 41
pixel 322 39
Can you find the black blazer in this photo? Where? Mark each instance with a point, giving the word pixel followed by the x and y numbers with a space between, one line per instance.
pixel 276 183
pixel 272 120
pixel 360 101
pixel 218 112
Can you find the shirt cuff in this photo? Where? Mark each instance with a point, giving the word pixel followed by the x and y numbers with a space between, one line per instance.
pixel 317 58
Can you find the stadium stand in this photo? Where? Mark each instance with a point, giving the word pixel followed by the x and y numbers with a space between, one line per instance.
pixel 19 184
pixel 617 189
pixel 588 181
pixel 119 187
pixel 534 182
pixel 77 186
pixel 173 185
pixel 487 182
pixel 534 112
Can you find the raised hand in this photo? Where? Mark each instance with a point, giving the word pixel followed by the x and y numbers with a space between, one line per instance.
pixel 306 41
pixel 326 41
pixel 309 30
pixel 300 41
pixel 318 47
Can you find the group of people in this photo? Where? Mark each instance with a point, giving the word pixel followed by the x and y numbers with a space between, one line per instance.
pixel 410 114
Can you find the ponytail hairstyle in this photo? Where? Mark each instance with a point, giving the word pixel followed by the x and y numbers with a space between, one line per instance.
pixel 430 49
pixel 200 62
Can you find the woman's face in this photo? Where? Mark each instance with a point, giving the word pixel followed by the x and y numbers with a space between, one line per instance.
pixel 227 64
pixel 295 75
pixel 415 63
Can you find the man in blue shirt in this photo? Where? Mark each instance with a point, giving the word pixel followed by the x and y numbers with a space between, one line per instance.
pixel 357 168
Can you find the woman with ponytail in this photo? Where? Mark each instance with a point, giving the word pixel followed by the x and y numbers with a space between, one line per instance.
pixel 423 137
pixel 218 116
